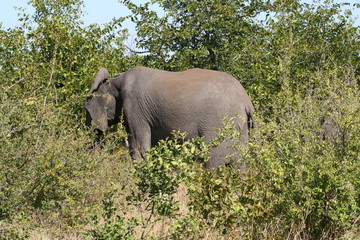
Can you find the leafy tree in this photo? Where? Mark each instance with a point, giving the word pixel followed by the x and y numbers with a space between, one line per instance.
pixel 55 54
pixel 306 39
pixel 194 34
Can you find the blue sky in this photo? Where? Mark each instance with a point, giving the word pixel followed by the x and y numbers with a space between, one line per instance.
pixel 97 12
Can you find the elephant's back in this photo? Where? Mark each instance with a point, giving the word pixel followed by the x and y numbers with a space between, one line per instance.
pixel 195 75
pixel 192 90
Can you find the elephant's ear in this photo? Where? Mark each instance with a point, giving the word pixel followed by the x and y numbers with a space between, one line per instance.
pixel 101 76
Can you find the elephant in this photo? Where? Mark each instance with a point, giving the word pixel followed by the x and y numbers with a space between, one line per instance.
pixel 153 103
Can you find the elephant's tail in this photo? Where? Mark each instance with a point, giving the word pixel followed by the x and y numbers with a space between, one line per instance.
pixel 250 116
pixel 250 120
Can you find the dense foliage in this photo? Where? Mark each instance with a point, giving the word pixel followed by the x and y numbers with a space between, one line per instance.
pixel 299 63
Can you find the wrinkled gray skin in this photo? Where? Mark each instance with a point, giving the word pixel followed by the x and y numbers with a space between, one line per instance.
pixel 155 102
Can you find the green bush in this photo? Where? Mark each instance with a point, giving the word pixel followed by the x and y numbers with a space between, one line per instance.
pixel 167 165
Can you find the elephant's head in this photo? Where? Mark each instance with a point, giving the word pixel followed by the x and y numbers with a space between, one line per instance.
pixel 101 104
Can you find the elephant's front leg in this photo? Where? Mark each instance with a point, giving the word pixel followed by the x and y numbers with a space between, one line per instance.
pixel 139 141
